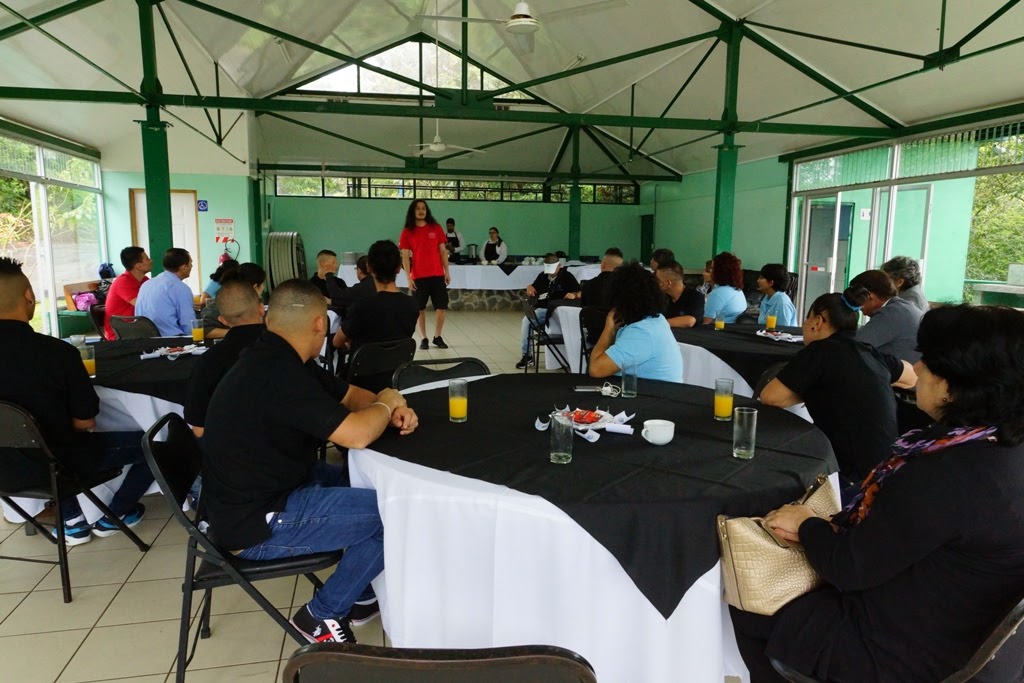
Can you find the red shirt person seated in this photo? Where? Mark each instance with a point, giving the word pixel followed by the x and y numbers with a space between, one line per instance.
pixel 125 288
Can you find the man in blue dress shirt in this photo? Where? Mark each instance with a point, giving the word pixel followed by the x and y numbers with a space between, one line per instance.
pixel 166 300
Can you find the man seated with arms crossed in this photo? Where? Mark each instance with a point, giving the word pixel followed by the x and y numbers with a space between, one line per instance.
pixel 553 284
pixel 241 311
pixel 685 307
pixel 124 290
pixel 266 494
pixel 594 292
pixel 326 270
pixel 45 376
pixel 168 301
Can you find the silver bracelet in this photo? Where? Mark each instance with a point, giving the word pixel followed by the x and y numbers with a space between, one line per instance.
pixel 383 405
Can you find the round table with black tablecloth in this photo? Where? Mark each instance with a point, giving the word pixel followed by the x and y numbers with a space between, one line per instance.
pixel 118 366
pixel 488 543
pixel 739 347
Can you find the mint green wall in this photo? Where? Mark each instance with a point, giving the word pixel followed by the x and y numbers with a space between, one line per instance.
pixel 684 214
pixel 530 228
pixel 228 197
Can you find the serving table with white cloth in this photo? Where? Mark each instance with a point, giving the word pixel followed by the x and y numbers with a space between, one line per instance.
pixel 499 278
pixel 614 556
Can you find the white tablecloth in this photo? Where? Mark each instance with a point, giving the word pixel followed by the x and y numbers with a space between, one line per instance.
pixel 484 277
pixel 472 564
pixel 120 411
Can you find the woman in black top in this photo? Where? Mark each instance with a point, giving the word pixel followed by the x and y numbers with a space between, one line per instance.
pixel 929 555
pixel 495 249
pixel 845 385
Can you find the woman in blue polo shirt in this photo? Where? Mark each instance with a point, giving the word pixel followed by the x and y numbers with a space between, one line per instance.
pixel 727 297
pixel 635 331
pixel 773 283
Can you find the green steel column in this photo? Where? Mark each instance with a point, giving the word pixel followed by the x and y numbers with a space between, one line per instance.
pixel 465 54
pixel 575 198
pixel 728 155
pixel 156 166
pixel 256 220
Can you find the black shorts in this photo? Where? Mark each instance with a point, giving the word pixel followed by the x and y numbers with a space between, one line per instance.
pixel 432 288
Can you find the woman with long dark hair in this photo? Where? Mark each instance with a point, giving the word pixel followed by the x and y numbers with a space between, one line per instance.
pixel 929 555
pixel 495 249
pixel 424 246
pixel 727 298
pixel 214 285
pixel 837 377
pixel 635 331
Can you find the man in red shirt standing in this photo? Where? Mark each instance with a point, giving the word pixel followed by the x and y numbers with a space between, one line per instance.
pixel 125 288
pixel 424 242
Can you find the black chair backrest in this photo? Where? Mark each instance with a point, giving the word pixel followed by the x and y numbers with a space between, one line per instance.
pixel 378 358
pixel 323 662
pixel 133 327
pixel 746 319
pixel 24 457
pixel 97 312
pixel 175 462
pixel 592 320
pixel 530 312
pixel 768 375
pixel 417 372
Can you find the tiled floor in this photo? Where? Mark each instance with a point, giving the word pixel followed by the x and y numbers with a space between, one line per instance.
pixel 123 622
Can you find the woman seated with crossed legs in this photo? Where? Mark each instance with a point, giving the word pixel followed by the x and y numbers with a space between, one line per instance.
pixel 929 555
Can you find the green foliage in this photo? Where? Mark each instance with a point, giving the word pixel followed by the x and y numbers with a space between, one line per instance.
pixel 997 224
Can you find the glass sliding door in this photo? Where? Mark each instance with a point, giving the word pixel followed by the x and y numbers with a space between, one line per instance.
pixel 820 241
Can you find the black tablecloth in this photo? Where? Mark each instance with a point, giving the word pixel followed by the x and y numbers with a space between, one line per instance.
pixel 740 348
pixel 508 268
pixel 652 507
pixel 118 366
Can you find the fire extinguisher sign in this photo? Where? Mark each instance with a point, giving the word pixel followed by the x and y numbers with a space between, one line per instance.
pixel 224 229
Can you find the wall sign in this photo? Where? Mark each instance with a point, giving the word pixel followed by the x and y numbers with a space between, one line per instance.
pixel 224 229
pixel 203 205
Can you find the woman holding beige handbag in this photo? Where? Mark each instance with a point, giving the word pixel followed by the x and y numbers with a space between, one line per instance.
pixel 929 554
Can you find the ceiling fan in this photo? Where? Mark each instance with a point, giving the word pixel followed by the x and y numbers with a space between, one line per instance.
pixel 524 23
pixel 438 146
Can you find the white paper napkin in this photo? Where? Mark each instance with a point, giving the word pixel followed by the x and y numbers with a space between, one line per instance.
pixel 616 428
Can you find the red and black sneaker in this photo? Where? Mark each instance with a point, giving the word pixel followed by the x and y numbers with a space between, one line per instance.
pixel 322 630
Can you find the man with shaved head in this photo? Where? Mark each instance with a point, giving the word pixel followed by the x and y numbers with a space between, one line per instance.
pixel 241 311
pixel 266 494
pixel 45 376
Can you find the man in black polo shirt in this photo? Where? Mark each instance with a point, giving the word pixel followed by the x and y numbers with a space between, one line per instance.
pixel 266 494
pixel 595 291
pixel 685 307
pixel 553 284
pixel 241 311
pixel 45 376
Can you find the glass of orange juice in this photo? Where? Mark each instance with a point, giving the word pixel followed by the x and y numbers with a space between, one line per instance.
pixel 723 400
pixel 720 321
pixel 769 322
pixel 88 359
pixel 198 333
pixel 458 400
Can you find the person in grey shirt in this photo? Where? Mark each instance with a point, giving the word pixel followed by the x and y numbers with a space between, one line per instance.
pixel 906 275
pixel 892 327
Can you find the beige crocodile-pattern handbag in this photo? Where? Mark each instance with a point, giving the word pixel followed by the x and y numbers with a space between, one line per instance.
pixel 760 571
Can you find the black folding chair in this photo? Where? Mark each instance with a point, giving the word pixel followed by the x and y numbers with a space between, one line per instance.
pixel 133 327
pixel 28 469
pixel 325 662
pixel 539 337
pixel 982 657
pixel 374 363
pixel 97 312
pixel 592 321
pixel 175 462
pixel 417 372
pixel 746 319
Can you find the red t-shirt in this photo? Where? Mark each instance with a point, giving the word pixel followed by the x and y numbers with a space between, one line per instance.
pixel 424 242
pixel 123 290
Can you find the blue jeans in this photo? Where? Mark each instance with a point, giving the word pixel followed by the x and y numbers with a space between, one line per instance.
pixel 322 516
pixel 542 317
pixel 109 450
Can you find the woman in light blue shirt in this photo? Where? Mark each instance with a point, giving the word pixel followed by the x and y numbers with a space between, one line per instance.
pixel 635 331
pixel 727 298
pixel 773 283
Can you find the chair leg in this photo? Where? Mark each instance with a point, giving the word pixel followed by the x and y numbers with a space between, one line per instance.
pixel 62 557
pixel 204 621
pixel 117 520
pixel 186 617
pixel 32 525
